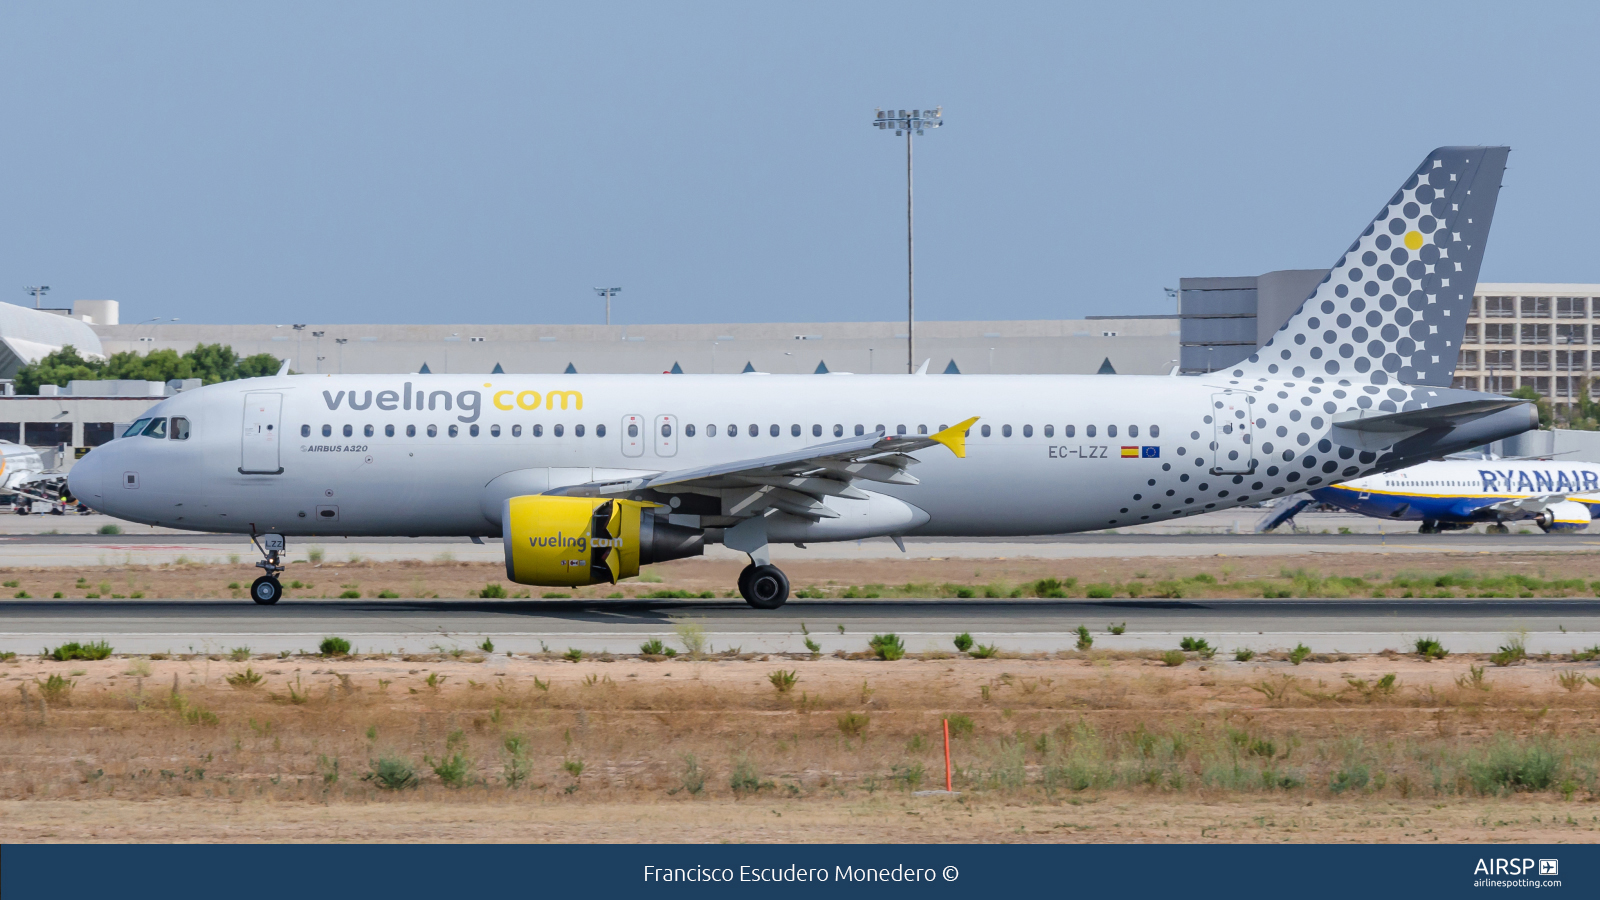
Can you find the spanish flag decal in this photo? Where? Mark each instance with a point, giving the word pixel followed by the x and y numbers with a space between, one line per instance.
pixel 1130 452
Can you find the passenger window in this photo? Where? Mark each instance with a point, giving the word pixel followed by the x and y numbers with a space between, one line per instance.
pixel 1088 430
pixel 1155 431
pixel 1005 430
pixel 711 431
pixel 899 429
pixel 516 431
pixel 1049 431
pixel 923 429
pixel 305 431
pixel 388 431
pixel 633 430
pixel 367 431
pixel 139 424
pixel 773 430
pixel 494 430
pixel 411 431
pixel 559 430
pixel 984 431
pixel 454 431
pixel 472 431
pixel 156 429
pixel 348 431
pixel 794 430
pixel 755 430
pixel 1133 431
pixel 1027 431
pixel 600 430
pixel 882 430
pixel 1070 431
pixel 433 431
pixel 538 431
pixel 666 429
pixel 838 431
pixel 1111 431
pixel 816 431
pixel 688 431
pixel 733 431
pixel 577 431
pixel 180 428
pixel 327 431
pixel 860 430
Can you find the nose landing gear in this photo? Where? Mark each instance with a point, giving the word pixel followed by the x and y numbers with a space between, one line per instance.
pixel 267 590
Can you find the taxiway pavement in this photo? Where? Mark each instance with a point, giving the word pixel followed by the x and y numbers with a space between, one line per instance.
pixel 527 626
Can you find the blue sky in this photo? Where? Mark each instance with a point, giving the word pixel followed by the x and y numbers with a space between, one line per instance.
pixel 491 162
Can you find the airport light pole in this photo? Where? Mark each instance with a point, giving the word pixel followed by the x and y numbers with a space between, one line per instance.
pixel 608 293
pixel 37 292
pixel 914 122
pixel 318 335
pixel 341 342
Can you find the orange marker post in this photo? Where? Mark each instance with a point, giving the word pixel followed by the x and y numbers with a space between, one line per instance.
pixel 948 785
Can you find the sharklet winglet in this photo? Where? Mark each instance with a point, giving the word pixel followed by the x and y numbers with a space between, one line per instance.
pixel 955 437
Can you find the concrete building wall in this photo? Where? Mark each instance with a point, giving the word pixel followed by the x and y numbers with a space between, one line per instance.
pixel 1133 346
pixel 1223 320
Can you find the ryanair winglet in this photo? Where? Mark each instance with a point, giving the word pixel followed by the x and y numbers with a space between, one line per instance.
pixel 955 437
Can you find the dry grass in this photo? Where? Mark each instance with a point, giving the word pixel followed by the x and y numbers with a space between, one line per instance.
pixel 1070 748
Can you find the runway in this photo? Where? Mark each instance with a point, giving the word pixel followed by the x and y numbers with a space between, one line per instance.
pixel 527 626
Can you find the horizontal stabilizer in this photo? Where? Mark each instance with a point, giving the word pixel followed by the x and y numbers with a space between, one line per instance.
pixel 1286 509
pixel 1447 416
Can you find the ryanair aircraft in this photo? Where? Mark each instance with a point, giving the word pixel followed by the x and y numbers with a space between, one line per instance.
pixel 1450 495
pixel 585 478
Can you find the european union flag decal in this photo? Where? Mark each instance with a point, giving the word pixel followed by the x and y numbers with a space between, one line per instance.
pixel 1149 452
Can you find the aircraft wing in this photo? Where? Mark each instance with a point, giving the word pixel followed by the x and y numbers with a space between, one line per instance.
pixel 1529 506
pixel 799 481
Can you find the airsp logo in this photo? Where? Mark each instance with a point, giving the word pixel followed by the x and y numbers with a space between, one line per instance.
pixel 1523 866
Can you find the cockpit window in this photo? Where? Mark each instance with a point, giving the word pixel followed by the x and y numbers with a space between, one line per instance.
pixel 180 428
pixel 156 429
pixel 136 427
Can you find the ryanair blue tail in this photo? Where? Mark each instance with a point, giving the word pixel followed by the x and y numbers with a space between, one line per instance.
pixel 1395 305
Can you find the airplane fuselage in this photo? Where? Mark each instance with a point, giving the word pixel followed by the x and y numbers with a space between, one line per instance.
pixel 413 454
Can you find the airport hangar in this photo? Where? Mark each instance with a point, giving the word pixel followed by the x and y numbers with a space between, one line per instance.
pixel 1535 335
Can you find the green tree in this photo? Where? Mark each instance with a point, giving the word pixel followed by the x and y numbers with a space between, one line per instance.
pixel 60 367
pixel 210 363
pixel 1546 414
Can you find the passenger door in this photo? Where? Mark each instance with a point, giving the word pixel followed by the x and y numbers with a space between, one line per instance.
pixel 258 452
pixel 633 435
pixel 666 435
pixel 1230 423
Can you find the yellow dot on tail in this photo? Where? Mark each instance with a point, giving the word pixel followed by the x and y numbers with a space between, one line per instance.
pixel 1413 239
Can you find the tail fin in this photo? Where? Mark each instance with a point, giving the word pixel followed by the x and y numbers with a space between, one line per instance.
pixel 1395 304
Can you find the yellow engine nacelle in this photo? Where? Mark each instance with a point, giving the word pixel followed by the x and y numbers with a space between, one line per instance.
pixel 574 541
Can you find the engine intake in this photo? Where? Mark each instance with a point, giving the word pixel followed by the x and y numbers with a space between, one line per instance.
pixel 575 541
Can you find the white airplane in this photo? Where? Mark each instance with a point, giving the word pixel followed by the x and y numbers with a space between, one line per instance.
pixel 1455 494
pixel 23 476
pixel 587 477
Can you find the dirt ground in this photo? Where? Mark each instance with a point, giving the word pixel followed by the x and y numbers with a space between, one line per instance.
pixel 1311 574
pixel 1096 747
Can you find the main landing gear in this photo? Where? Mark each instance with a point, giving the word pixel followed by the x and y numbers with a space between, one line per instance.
pixel 267 590
pixel 764 587
pixel 762 584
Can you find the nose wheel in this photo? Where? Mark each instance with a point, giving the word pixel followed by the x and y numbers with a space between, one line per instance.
pixel 764 587
pixel 266 590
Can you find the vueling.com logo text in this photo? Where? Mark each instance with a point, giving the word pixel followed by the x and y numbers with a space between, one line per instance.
pixel 581 543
